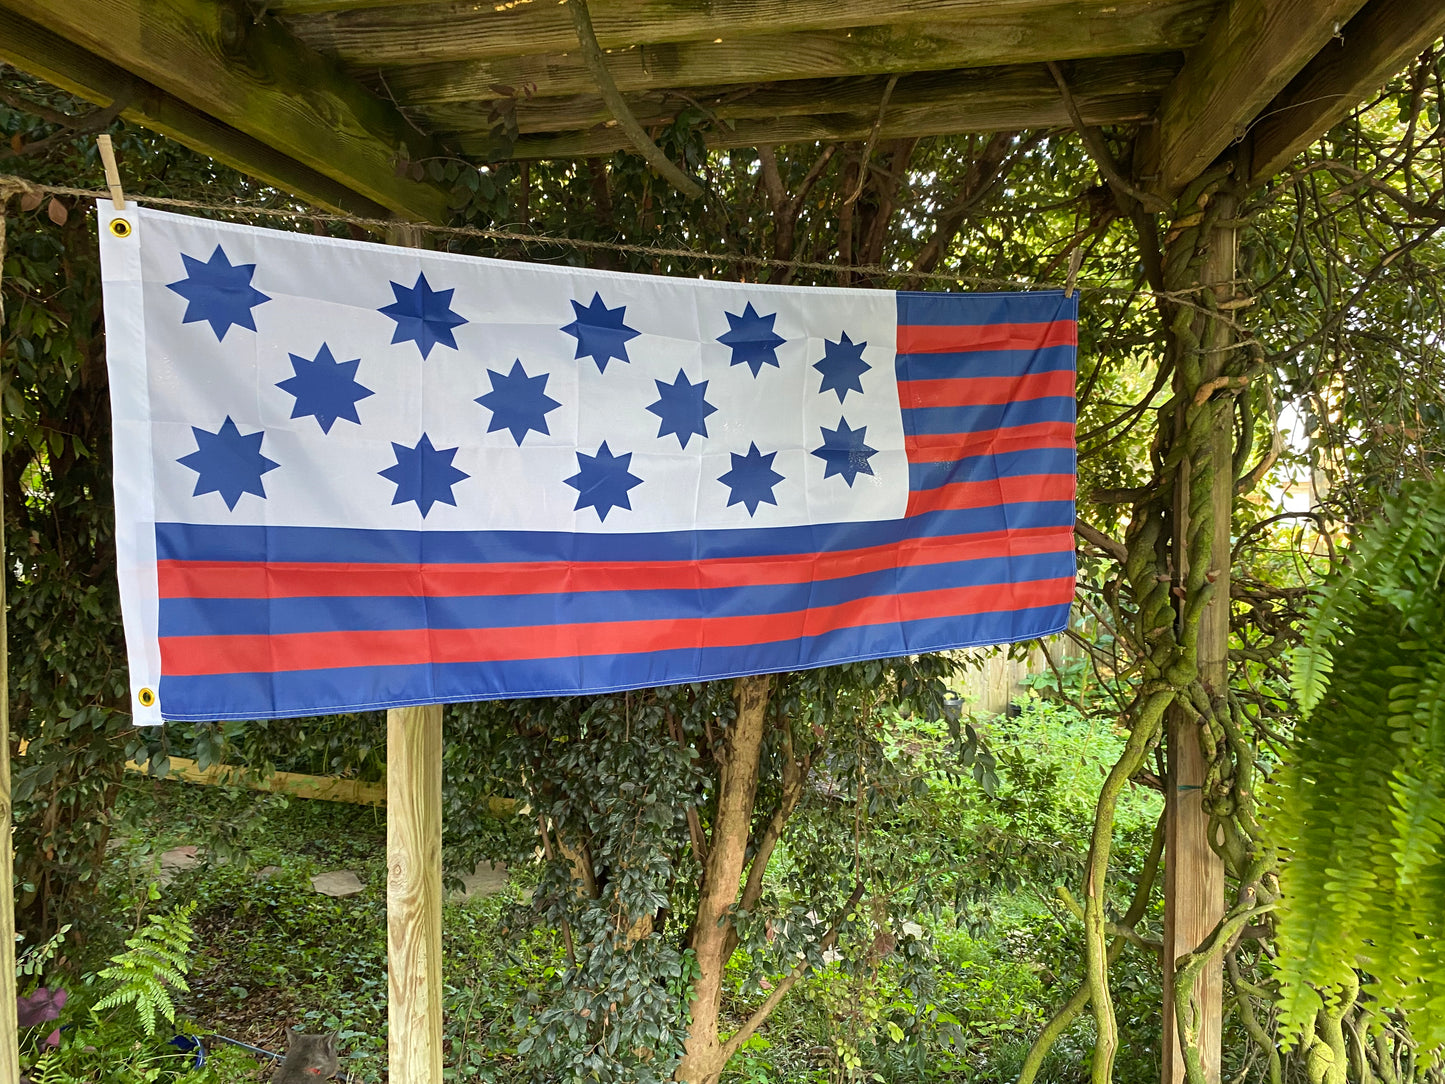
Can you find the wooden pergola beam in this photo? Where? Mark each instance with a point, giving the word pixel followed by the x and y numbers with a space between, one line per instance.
pixel 1253 49
pixel 43 54
pixel 1052 31
pixel 251 76
pixel 1112 92
pixel 1372 47
pixel 420 32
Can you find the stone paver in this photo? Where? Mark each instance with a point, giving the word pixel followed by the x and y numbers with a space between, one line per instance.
pixel 487 879
pixel 175 860
pixel 339 883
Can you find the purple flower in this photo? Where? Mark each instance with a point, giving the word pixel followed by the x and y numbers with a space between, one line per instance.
pixel 39 1007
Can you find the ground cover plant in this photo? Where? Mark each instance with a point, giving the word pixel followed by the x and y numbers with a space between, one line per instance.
pixel 950 987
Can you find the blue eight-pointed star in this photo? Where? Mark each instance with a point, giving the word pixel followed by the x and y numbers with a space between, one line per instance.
pixel 423 315
pixel 600 332
pixel 844 452
pixel 682 407
pixel 752 338
pixel 423 474
pixel 602 481
pixel 218 292
pixel 228 462
pixel 752 479
pixel 325 389
pixel 842 366
pixel 518 402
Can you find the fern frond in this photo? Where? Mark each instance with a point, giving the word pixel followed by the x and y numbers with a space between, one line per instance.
pixel 154 963
pixel 1359 809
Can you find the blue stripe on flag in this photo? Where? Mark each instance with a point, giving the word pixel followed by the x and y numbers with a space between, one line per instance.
pixel 924 421
pixel 971 310
pixel 965 364
pixel 296 693
pixel 220 542
pixel 984 468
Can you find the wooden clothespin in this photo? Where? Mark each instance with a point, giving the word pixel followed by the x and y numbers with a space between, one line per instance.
pixel 1076 259
pixel 112 173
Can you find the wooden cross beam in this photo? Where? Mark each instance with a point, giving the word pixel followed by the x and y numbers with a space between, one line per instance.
pixel 44 54
pixel 929 103
pixel 218 69
pixel 1250 53
pixel 462 68
pixel 386 34
pixel 1371 48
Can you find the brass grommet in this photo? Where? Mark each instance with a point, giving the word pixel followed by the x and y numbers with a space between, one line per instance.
pixel 147 697
pixel 120 227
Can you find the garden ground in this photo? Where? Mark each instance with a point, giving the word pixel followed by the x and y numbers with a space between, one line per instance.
pixel 271 952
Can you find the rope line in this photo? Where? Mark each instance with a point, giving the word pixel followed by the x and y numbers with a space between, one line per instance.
pixel 21 185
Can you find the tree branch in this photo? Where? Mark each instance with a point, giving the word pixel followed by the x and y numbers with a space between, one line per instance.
pixel 795 773
pixel 1099 151
pixel 744 1033
pixel 984 172
pixel 1098 538
pixel 785 210
pixel 597 66
pixel 98 120
pixel 35 109
pixel 872 140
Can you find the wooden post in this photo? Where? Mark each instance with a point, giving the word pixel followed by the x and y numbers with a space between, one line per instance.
pixel 414 872
pixel 9 1024
pixel 1194 874
pixel 414 893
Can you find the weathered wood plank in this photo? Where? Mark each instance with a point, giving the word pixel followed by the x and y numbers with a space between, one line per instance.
pixel 1253 49
pixel 41 53
pixel 458 29
pixel 1373 46
pixel 324 788
pixel 1009 85
pixel 1056 31
pixel 871 50
pixel 254 77
pixel 414 893
pixel 939 103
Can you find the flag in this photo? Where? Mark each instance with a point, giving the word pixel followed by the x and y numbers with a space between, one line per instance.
pixel 352 476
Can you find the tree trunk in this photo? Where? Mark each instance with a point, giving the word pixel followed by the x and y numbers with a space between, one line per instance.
pixel 702 1060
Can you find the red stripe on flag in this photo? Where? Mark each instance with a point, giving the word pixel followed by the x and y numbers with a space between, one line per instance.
pixel 245 579
pixel 1013 490
pixel 185 656
pixel 985 390
pixel 950 339
pixel 948 447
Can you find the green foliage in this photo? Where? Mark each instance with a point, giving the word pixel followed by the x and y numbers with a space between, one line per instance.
pixel 32 961
pixel 151 968
pixel 1361 803
pixel 623 783
pixel 108 1027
